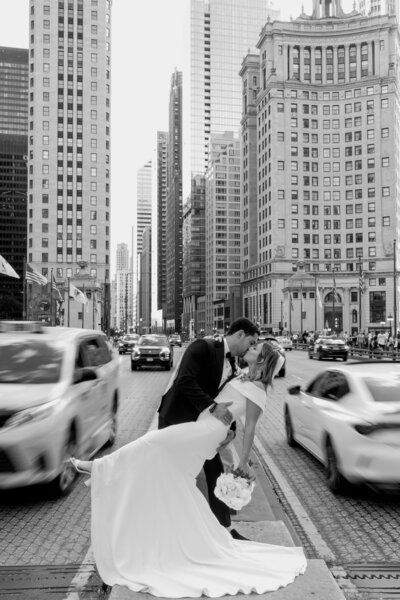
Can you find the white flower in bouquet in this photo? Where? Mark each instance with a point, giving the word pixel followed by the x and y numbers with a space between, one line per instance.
pixel 234 488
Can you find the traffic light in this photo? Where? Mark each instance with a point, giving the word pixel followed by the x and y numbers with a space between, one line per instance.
pixel 336 322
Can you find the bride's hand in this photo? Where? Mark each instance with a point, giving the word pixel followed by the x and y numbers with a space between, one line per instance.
pixel 229 437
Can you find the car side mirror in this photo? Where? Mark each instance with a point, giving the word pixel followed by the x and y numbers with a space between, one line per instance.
pixel 84 374
pixel 294 390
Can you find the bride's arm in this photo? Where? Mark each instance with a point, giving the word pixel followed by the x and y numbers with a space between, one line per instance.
pixel 253 413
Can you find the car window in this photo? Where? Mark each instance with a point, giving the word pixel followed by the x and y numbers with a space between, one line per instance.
pixel 333 386
pixel 30 361
pixel 153 341
pixel 93 353
pixel 314 386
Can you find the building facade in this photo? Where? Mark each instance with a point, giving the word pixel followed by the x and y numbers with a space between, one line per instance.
pixel 69 138
pixel 373 8
pixel 222 31
pixel 173 219
pixel 144 197
pixel 320 122
pixel 162 141
pixel 13 176
pixel 223 229
pixel 123 290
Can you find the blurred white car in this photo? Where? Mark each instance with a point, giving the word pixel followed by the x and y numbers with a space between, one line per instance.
pixel 58 398
pixel 285 342
pixel 348 417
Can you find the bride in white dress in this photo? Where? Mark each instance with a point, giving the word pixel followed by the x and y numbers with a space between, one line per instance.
pixel 152 528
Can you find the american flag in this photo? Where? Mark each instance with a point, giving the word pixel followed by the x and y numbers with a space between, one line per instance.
pixel 291 302
pixel 34 277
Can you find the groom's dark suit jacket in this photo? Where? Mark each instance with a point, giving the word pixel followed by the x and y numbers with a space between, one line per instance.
pixel 196 383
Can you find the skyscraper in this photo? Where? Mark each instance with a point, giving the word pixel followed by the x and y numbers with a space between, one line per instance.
pixel 223 227
pixel 144 197
pixel 162 140
pixel 222 31
pixel 373 8
pixel 69 143
pixel 173 220
pixel 321 132
pixel 13 175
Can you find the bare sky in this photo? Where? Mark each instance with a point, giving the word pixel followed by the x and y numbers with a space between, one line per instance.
pixel 148 42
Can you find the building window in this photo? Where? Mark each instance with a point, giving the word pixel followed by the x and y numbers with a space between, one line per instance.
pixel 377 307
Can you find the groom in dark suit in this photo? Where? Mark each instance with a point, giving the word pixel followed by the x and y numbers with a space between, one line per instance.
pixel 206 366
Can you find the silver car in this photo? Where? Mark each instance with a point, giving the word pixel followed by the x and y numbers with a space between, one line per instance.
pixel 59 397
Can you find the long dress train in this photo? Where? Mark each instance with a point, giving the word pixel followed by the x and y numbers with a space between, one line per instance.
pixel 153 530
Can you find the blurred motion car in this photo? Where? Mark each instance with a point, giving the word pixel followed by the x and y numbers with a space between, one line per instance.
pixel 127 342
pixel 274 342
pixel 175 340
pixel 59 396
pixel 152 350
pixel 332 348
pixel 285 342
pixel 348 417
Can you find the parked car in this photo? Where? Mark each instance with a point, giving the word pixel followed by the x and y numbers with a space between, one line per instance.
pixel 127 342
pixel 175 340
pixel 59 395
pixel 274 342
pixel 332 348
pixel 285 342
pixel 152 350
pixel 349 419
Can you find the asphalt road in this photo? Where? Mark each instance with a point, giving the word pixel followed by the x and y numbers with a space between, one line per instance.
pixel 360 527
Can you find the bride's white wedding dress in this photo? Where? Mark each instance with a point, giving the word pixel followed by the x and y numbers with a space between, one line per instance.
pixel 153 530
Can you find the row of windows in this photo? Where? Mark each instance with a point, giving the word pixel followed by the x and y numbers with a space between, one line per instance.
pixel 327 109
pixel 314 254
pixel 68 258
pixel 349 224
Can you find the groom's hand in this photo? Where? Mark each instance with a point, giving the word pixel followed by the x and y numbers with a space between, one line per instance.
pixel 222 413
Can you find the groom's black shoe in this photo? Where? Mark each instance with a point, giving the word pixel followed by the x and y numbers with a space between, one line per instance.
pixel 236 535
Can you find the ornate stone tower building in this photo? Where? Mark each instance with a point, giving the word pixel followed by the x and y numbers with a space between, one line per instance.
pixel 322 128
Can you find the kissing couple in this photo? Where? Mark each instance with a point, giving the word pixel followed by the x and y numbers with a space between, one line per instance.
pixel 152 528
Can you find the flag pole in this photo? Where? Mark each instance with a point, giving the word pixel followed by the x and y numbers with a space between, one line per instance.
pixel 290 313
pixel 334 294
pixel 360 291
pixel 51 296
pixel 24 298
pixel 394 288
pixel 83 309
pixel 93 299
pixel 68 302
pixel 301 310
pixel 315 305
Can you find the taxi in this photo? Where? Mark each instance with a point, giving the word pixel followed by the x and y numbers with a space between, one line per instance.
pixel 59 396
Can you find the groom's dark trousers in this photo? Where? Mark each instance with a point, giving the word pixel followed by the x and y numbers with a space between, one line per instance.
pixel 194 388
pixel 212 470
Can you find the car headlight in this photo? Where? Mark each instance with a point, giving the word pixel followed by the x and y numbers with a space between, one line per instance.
pixel 135 352
pixel 165 353
pixel 30 415
pixel 346 347
pixel 324 347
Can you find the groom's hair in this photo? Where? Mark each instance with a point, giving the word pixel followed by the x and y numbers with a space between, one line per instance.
pixel 244 324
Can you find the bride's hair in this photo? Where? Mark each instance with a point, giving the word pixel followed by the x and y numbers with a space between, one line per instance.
pixel 264 368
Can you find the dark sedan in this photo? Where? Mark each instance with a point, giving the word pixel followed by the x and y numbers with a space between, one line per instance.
pixel 127 342
pixel 152 351
pixel 328 348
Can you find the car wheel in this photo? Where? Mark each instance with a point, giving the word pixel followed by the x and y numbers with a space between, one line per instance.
pixel 310 356
pixel 334 478
pixel 319 355
pixel 289 429
pixel 62 484
pixel 168 367
pixel 113 428
pixel 133 367
pixel 345 358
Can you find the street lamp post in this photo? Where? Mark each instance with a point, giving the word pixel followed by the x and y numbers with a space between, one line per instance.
pixel 394 288
pixel 390 321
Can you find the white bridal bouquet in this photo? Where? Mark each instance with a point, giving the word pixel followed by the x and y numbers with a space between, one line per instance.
pixel 234 488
